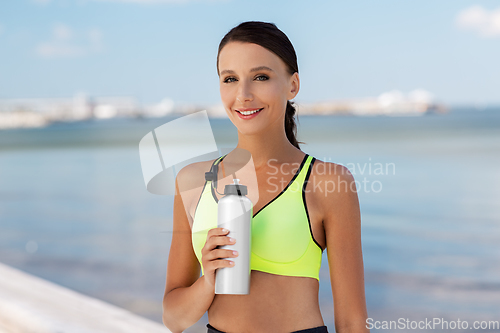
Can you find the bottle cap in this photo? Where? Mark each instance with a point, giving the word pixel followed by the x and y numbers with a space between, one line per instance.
pixel 235 188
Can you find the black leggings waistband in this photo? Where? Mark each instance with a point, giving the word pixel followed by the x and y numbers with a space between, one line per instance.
pixel 319 329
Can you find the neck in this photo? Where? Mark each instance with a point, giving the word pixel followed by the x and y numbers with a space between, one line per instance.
pixel 269 147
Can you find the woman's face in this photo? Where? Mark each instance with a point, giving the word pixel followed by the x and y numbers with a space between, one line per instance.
pixel 252 77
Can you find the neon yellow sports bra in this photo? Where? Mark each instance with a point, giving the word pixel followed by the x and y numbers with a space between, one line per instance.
pixel 282 241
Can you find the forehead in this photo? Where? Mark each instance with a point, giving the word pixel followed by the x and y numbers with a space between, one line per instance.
pixel 239 56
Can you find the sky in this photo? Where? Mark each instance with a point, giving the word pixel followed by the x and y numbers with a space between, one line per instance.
pixel 157 49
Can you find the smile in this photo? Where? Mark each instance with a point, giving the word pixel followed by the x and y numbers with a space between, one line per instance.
pixel 248 114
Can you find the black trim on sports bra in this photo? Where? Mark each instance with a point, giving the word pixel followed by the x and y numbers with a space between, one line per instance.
pixel 306 180
pixel 287 186
pixel 282 191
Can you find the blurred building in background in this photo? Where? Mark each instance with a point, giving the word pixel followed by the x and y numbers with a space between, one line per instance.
pixel 39 112
pixel 393 103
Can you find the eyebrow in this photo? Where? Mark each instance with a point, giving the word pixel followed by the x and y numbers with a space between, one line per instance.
pixel 256 69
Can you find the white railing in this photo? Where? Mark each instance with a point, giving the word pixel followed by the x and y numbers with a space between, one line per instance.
pixel 31 304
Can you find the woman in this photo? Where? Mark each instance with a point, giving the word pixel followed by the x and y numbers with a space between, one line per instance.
pixel 258 72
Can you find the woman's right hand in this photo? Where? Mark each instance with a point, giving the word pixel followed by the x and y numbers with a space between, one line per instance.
pixel 211 254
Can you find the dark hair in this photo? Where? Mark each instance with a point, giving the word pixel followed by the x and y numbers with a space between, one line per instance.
pixel 269 36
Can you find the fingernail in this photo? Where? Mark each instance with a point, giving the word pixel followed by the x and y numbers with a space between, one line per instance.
pixel 224 230
pixel 231 240
pixel 235 252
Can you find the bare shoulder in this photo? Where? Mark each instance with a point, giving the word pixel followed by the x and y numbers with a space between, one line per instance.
pixel 330 178
pixel 333 187
pixel 190 182
pixel 194 173
pixel 195 169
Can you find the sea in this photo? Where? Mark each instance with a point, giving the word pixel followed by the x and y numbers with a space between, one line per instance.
pixel 74 209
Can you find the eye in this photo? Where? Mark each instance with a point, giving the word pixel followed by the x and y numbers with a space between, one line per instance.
pixel 265 77
pixel 228 78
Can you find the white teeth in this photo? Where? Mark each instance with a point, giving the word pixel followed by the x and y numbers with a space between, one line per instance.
pixel 247 113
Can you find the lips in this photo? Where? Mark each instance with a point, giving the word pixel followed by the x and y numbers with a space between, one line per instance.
pixel 248 110
pixel 255 113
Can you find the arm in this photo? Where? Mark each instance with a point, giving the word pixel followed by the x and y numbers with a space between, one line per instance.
pixel 187 296
pixel 342 223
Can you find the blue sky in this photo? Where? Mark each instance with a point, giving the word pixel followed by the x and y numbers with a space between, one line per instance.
pixel 155 49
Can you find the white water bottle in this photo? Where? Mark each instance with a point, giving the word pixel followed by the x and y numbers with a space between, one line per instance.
pixel 235 213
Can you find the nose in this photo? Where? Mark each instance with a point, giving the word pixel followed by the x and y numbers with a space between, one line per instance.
pixel 244 93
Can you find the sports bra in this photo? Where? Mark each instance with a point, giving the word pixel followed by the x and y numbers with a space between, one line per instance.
pixel 282 242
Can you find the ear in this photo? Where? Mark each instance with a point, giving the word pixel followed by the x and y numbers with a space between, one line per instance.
pixel 294 86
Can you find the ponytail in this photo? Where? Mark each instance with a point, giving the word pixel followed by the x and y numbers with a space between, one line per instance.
pixel 290 126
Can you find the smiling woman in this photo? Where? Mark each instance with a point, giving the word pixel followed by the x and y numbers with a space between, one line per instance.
pixel 292 224
pixel 245 45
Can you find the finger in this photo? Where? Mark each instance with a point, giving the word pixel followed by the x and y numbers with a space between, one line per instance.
pixel 217 232
pixel 223 263
pixel 218 238
pixel 225 254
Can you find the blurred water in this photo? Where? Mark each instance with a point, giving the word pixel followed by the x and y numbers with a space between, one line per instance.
pixel 74 210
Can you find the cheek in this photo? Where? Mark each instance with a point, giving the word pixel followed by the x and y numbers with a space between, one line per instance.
pixel 227 98
pixel 270 93
pixel 225 95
